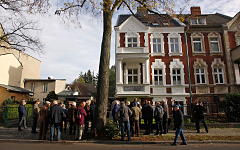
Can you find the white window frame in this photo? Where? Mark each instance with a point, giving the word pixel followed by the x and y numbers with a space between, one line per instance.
pixel 197 35
pixel 158 64
pixel 158 75
pixel 160 36
pixel 196 42
pixel 198 21
pixel 177 64
pixel 218 63
pixel 132 35
pixel 218 74
pixel 199 73
pixel 45 87
pixel 178 36
pixel 215 35
pixel 176 75
pixel 132 75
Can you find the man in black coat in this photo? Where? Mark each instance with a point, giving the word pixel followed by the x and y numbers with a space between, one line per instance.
pixel 22 115
pixel 56 117
pixel 198 114
pixel 179 123
pixel 147 114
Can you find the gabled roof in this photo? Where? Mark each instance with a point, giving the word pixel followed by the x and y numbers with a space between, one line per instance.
pixel 216 19
pixel 83 89
pixel 15 89
pixel 165 20
pixel 151 20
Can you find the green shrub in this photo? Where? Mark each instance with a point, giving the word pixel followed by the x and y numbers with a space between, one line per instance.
pixel 232 107
pixel 11 111
pixel 110 130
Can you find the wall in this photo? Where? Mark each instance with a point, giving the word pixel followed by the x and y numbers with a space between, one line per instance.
pixel 60 86
pixel 6 94
pixel 10 70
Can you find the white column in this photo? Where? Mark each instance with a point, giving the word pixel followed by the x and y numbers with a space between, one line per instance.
pixel 139 74
pixel 146 40
pixel 147 72
pixel 119 73
pixel 125 75
pixel 144 72
pixel 237 74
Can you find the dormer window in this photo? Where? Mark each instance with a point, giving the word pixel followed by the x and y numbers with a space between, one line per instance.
pixel 198 21
pixel 132 41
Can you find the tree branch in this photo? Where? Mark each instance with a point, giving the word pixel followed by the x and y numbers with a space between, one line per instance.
pixel 58 12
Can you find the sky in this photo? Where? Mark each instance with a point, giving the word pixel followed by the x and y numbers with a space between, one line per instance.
pixel 70 50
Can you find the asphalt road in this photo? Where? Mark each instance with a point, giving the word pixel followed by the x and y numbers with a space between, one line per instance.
pixel 92 146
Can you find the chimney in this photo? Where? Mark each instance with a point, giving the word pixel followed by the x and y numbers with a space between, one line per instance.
pixel 142 11
pixel 195 11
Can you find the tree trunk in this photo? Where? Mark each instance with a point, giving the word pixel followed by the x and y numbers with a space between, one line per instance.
pixel 103 77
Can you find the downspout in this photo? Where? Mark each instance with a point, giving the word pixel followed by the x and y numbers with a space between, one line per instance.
pixel 189 69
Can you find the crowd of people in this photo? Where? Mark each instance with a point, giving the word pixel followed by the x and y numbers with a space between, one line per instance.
pixel 127 115
pixel 57 117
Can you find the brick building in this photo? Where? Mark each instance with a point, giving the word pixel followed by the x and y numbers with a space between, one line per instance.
pixel 156 55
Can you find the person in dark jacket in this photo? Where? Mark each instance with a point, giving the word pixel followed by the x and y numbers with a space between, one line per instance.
pixel 179 123
pixel 158 115
pixel 22 115
pixel 35 114
pixel 115 109
pixel 43 121
pixel 165 117
pixel 198 114
pixel 88 117
pixel 124 114
pixel 71 118
pixel 147 114
pixel 80 120
pixel 93 118
pixel 56 116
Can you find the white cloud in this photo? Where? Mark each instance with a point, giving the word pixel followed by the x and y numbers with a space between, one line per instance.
pixel 72 50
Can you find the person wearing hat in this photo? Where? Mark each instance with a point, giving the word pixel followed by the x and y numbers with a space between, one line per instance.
pixel 179 123
pixel 35 114
pixel 43 120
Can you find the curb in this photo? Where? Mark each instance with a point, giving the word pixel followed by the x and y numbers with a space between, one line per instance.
pixel 115 142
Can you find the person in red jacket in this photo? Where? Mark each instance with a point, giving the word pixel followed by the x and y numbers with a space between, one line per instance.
pixel 80 120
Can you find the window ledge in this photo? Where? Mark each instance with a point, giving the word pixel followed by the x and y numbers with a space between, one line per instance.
pixel 158 54
pixel 175 54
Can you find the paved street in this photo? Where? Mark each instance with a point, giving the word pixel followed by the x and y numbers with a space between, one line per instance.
pixel 91 146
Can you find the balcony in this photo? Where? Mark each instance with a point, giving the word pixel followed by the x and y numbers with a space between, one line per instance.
pixel 132 89
pixel 133 50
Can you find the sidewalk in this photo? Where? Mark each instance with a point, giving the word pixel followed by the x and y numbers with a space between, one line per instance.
pixel 215 135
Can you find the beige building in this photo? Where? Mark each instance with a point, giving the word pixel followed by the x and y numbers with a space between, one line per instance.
pixel 15 66
pixel 41 87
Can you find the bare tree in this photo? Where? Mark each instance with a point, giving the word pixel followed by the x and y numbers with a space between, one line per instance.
pixel 16 30
pixel 106 8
